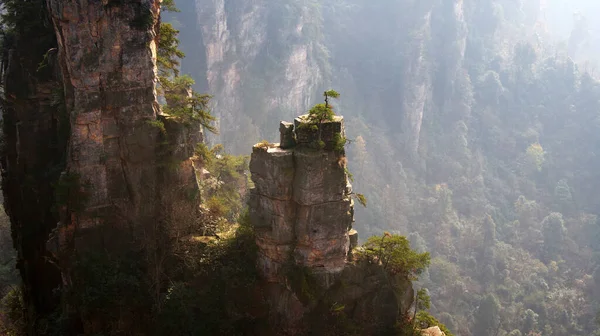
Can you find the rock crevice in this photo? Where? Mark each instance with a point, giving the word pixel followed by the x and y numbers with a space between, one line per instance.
pixel 84 167
pixel 300 205
pixel 302 210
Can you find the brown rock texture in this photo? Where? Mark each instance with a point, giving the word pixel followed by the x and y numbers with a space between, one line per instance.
pixel 133 174
pixel 300 206
pixel 109 71
pixel 84 166
pixel 302 211
pixel 433 331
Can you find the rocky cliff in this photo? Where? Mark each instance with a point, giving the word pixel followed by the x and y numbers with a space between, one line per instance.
pixel 301 205
pixel 85 169
pixel 108 70
pixel 263 60
pixel 302 211
pixel 35 136
pixel 399 73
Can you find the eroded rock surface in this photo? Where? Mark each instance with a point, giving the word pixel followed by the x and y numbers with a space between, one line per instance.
pixel 136 174
pixel 107 54
pixel 83 162
pixel 300 204
pixel 302 211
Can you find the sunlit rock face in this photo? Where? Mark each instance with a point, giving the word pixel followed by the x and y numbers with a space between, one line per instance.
pixel 433 331
pixel 107 52
pixel 135 173
pixel 302 211
pixel 301 204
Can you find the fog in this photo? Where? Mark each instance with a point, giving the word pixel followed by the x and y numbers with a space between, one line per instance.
pixel 472 134
pixel 474 128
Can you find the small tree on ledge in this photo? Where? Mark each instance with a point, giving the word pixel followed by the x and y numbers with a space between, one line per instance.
pixel 328 94
pixel 321 113
pixel 182 102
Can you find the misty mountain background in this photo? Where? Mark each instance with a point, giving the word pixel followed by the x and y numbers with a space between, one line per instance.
pixel 474 128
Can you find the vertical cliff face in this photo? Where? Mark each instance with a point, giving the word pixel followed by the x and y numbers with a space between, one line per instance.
pixel 302 211
pixel 84 167
pixel 125 164
pixel 35 136
pixel 301 205
pixel 263 60
pixel 107 62
pixel 415 93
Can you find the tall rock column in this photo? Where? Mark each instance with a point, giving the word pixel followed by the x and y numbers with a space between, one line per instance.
pixel 136 181
pixel 301 204
pixel 107 51
pixel 302 211
pixel 301 208
pixel 84 167
pixel 35 131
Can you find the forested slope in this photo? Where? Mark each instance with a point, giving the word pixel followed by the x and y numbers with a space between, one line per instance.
pixel 472 131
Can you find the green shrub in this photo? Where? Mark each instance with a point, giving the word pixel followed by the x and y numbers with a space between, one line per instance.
pixel 187 106
pixel 217 206
pixel 393 252
pixel 204 153
pixel 158 124
pixel 361 199
pixel 339 142
pixel 264 145
pixel 319 114
pixel 12 313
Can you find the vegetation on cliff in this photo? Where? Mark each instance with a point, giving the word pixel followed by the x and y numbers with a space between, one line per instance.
pixel 182 102
pixel 394 254
pixel 470 134
pixel 472 130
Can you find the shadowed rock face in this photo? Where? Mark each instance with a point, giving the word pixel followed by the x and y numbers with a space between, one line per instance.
pixel 34 128
pixel 81 160
pixel 134 175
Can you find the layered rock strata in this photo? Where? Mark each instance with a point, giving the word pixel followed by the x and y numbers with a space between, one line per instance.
pixel 84 166
pixel 109 71
pixel 302 211
pixel 301 204
pixel 133 174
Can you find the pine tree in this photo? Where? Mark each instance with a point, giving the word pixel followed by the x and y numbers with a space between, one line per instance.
pixel 182 102
pixel 321 113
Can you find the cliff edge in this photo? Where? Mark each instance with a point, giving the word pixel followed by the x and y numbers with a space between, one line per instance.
pixel 85 170
pixel 302 210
